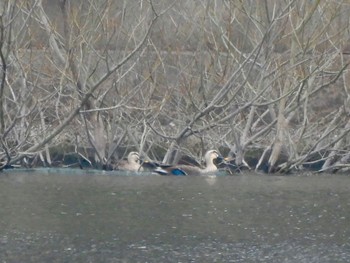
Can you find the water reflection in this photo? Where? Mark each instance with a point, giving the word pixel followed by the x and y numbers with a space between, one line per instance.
pixel 110 218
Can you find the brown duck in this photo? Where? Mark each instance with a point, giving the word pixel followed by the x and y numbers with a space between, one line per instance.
pixel 131 164
pixel 210 167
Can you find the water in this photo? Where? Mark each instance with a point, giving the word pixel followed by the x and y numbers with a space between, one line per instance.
pixel 55 216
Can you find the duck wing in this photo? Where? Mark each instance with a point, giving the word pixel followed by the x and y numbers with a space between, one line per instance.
pixel 170 171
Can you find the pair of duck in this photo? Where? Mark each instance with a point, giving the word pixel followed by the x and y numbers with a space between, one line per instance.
pixel 133 164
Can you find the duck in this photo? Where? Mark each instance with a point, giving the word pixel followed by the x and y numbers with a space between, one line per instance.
pixel 131 164
pixel 183 170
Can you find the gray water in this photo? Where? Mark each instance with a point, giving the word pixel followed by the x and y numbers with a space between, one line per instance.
pixel 55 216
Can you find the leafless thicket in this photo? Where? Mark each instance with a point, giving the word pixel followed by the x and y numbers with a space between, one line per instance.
pixel 257 79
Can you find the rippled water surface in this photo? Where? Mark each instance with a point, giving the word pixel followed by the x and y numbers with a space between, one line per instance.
pixel 70 216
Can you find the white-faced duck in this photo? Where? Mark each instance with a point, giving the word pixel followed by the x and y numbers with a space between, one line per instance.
pixel 209 168
pixel 131 164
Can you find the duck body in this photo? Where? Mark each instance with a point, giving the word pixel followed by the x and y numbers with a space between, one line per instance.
pixel 183 170
pixel 131 164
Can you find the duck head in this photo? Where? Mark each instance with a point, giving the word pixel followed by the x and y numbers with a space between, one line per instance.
pixel 212 155
pixel 134 157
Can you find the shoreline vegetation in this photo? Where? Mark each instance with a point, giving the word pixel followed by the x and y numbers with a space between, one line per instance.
pixel 266 83
pixel 68 156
